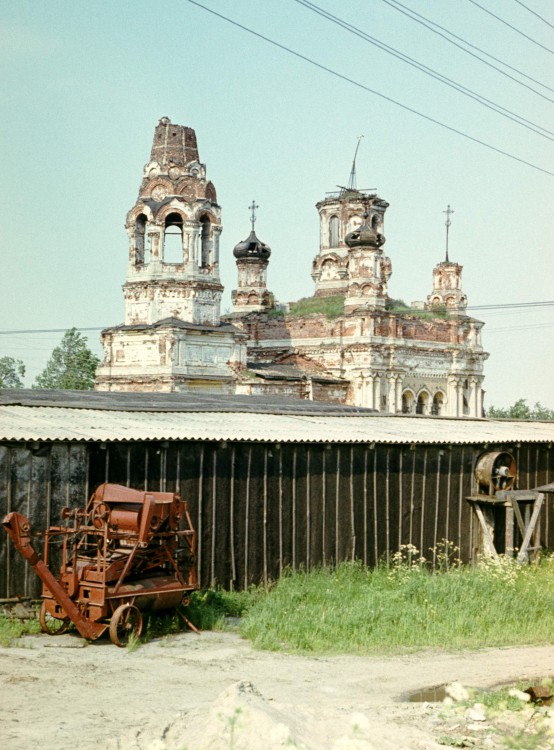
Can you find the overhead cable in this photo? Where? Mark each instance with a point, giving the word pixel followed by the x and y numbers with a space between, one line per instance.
pixel 423 21
pixel 534 13
pixel 514 28
pixel 498 306
pixel 494 106
pixel 359 85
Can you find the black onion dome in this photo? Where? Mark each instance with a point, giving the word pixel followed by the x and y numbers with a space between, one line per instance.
pixel 364 236
pixel 252 247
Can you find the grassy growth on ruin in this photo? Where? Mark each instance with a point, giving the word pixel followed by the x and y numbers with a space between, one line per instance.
pixel 399 307
pixel 405 606
pixel 330 307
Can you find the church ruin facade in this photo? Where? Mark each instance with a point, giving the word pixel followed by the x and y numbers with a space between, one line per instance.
pixel 350 343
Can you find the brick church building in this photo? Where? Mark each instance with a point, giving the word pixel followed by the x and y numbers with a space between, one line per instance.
pixel 349 343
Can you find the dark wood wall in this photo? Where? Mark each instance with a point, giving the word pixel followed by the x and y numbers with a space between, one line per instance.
pixel 259 508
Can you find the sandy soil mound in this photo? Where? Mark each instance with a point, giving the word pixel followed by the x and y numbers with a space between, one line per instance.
pixel 241 719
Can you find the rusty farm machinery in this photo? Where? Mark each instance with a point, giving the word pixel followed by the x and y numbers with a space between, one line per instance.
pixel 127 552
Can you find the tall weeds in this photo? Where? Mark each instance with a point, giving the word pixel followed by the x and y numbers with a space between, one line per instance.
pixel 406 605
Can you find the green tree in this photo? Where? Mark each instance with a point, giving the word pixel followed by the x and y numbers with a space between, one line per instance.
pixel 71 365
pixel 521 410
pixel 11 372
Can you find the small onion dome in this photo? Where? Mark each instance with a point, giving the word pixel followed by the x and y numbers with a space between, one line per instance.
pixel 364 236
pixel 252 247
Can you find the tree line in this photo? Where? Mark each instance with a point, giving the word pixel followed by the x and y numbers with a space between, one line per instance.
pixel 72 365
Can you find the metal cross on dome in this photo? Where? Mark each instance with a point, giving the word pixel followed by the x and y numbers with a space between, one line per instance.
pixel 253 208
pixel 449 211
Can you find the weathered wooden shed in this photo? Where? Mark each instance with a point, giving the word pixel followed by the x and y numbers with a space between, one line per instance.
pixel 271 484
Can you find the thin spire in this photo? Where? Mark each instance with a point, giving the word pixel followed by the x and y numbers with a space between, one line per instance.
pixel 449 211
pixel 252 209
pixel 352 179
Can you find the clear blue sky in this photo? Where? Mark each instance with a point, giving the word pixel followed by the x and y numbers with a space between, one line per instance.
pixel 84 83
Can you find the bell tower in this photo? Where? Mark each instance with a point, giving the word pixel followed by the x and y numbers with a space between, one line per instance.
pixel 172 338
pixel 340 214
pixel 368 269
pixel 447 281
pixel 174 230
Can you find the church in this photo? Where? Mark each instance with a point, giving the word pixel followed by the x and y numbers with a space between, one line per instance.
pixel 349 343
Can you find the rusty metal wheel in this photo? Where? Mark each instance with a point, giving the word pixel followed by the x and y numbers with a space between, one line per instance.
pixel 125 621
pixel 50 624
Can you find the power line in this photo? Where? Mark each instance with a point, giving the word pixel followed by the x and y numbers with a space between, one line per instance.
pixel 49 330
pixel 534 13
pixel 495 306
pixel 423 21
pixel 514 28
pixel 512 305
pixel 370 90
pixel 498 108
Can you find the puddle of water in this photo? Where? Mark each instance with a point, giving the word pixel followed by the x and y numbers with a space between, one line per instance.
pixel 438 693
pixel 428 695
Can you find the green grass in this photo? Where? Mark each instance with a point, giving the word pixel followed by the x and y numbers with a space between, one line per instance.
pixel 360 611
pixel 208 609
pixel 356 610
pixel 11 628
pixel 331 307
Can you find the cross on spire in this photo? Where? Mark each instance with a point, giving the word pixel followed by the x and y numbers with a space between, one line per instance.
pixel 253 208
pixel 352 179
pixel 449 211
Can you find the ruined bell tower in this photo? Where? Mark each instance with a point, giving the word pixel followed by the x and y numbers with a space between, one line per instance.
pixel 172 338
pixel 173 231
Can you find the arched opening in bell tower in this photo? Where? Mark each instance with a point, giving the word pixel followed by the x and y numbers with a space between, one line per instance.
pixel 173 238
pixel 205 241
pixel 142 247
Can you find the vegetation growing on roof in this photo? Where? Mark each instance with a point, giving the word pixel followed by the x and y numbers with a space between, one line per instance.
pixel 331 307
pixel 399 307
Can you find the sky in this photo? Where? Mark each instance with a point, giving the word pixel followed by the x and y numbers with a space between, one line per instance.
pixel 84 84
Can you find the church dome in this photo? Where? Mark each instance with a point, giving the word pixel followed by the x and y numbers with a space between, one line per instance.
pixel 364 236
pixel 252 247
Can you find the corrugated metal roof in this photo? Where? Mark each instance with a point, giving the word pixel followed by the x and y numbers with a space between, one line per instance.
pixel 39 423
pixel 181 402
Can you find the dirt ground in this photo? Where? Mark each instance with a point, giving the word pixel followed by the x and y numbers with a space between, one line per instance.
pixel 214 692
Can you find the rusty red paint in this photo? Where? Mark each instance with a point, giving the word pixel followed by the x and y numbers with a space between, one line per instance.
pixel 126 552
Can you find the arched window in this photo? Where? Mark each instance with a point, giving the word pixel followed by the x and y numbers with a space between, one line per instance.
pixel 142 252
pixel 438 404
pixel 334 226
pixel 205 241
pixel 173 239
pixel 407 402
pixel 422 406
pixel 210 192
pixel 375 222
